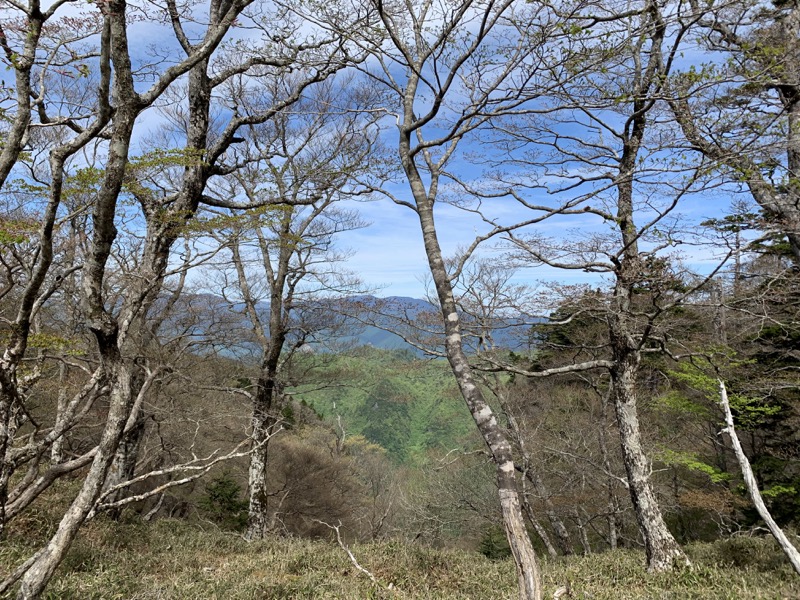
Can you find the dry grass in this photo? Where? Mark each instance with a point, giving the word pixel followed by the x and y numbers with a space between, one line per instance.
pixel 171 559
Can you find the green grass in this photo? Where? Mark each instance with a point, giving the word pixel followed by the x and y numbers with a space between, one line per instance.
pixel 174 560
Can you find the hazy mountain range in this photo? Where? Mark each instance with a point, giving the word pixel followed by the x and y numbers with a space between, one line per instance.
pixel 356 321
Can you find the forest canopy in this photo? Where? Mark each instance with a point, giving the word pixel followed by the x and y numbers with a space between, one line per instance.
pixel 603 200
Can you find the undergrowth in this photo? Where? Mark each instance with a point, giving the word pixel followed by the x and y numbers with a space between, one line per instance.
pixel 174 560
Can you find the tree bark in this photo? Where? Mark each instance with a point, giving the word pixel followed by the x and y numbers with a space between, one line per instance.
pixel 625 337
pixel 752 485
pixel 105 329
pixel 528 575
pixel 263 424
pixel 22 63
pixel 110 332
pixel 662 551
pixel 41 571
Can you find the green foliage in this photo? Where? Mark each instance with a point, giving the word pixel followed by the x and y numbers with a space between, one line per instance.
pixel 16 231
pixel 690 461
pixel 49 341
pixel 310 407
pixel 494 544
pixel 159 158
pixel 678 402
pixel 287 417
pixel 778 490
pixel 223 503
pixel 763 416
pixel 749 412
pixel 386 414
pixel 407 405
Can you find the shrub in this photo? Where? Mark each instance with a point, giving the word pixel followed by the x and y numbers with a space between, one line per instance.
pixel 494 544
pixel 223 503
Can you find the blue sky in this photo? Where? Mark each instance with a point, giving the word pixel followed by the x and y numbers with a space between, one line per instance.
pixel 389 256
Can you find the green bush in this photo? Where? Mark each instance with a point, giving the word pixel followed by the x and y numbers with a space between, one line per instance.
pixel 494 544
pixel 223 503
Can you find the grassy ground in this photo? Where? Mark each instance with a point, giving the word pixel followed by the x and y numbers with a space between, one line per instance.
pixel 170 559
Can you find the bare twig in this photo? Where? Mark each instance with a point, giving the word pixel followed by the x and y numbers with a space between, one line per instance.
pixel 351 556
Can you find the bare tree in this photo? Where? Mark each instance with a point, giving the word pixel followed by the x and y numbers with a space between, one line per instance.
pixel 166 208
pixel 446 70
pixel 284 260
pixel 610 171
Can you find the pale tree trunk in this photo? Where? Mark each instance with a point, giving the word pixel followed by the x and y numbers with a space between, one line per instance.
pixel 584 535
pixel 493 434
pixel 283 270
pixel 263 424
pixel 57 449
pixel 613 503
pixel 752 485
pixel 613 536
pixel 625 336
pixel 266 394
pixel 41 567
pixel 562 533
pixel 422 34
pixel 272 339
pixel 110 332
pixel 123 467
pixel 662 551
pixel 38 575
pixel 22 61
pixel 104 328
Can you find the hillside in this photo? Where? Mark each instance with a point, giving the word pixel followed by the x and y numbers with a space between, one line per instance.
pixel 406 404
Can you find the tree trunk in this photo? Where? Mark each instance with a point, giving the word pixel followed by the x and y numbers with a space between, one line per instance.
pixel 584 535
pixel 57 449
pixel 662 551
pixel 105 329
pixel 123 467
pixel 41 571
pixel 626 334
pixel 263 423
pixel 493 434
pixel 752 485
pixel 613 503
pixel 264 400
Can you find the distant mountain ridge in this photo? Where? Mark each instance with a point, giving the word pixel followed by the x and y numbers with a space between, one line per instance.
pixel 364 321
pixel 384 321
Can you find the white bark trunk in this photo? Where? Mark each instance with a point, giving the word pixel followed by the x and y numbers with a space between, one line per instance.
pixel 663 552
pixel 494 436
pixel 752 485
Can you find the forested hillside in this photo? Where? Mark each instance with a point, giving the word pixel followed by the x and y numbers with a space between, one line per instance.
pixel 407 405
pixel 370 298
